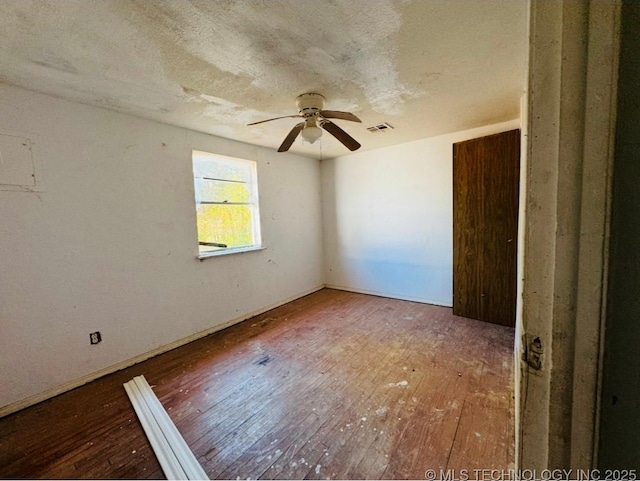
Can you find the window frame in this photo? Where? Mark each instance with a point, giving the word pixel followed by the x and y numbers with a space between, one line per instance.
pixel 253 203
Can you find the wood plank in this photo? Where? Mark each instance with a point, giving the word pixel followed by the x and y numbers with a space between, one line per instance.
pixel 334 371
pixel 369 417
pixel 283 395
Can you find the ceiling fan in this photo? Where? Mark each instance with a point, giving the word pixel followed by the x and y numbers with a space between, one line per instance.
pixel 311 109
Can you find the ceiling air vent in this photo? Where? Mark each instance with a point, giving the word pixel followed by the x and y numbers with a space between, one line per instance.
pixel 383 127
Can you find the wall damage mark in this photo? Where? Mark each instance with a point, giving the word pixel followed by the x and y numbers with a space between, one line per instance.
pixel 252 44
pixel 216 66
pixel 534 354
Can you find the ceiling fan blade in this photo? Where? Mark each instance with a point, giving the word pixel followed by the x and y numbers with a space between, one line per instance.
pixel 336 114
pixel 348 141
pixel 288 141
pixel 275 118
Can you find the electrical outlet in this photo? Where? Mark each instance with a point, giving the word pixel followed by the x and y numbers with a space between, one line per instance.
pixel 95 337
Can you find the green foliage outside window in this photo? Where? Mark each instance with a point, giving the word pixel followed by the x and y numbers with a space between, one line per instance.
pixel 226 202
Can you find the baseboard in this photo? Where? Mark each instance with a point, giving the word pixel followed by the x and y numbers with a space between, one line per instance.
pixel 391 296
pixel 43 396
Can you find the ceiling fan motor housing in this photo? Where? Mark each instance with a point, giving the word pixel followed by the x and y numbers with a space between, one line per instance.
pixel 309 104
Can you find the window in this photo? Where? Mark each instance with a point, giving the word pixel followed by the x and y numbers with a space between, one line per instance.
pixel 226 191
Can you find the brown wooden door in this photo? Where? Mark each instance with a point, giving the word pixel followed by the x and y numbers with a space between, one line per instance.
pixel 486 173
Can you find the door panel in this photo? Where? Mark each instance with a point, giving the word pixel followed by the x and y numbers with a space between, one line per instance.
pixel 486 174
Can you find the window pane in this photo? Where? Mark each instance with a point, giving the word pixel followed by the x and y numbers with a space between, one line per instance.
pixel 221 191
pixel 221 167
pixel 225 224
pixel 226 195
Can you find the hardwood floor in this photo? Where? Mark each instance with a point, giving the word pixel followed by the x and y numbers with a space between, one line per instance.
pixel 333 385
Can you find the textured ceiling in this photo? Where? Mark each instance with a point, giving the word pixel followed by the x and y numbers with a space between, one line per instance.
pixel 426 67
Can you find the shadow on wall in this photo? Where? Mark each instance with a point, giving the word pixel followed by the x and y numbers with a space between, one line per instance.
pixel 421 282
pixel 387 228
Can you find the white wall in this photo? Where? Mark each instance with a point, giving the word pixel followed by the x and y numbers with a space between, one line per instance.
pixel 109 242
pixel 388 218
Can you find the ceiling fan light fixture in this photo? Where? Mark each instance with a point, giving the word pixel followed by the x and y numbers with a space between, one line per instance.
pixel 311 133
pixel 316 119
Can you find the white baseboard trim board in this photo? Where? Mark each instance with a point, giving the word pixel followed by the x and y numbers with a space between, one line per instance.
pixel 391 296
pixel 68 386
pixel 174 455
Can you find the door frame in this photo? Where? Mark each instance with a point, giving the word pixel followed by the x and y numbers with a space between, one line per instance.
pixel 569 134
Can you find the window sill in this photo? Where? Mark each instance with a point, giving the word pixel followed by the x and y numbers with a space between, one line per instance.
pixel 226 252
